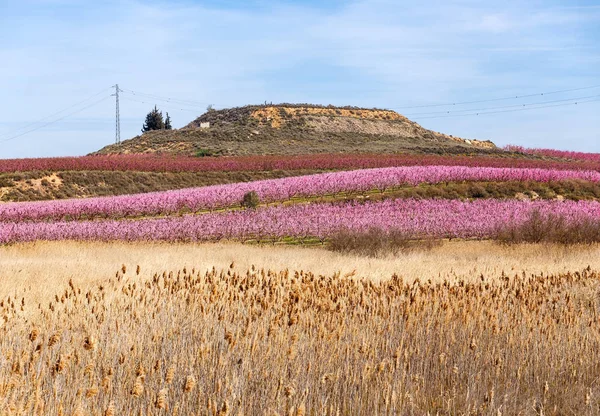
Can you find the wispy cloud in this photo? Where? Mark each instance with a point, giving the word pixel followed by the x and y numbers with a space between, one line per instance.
pixel 361 52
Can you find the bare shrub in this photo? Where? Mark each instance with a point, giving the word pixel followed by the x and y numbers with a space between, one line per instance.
pixel 378 243
pixel 538 228
pixel 250 200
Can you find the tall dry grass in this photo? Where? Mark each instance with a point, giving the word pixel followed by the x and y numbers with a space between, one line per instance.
pixel 229 343
pixel 35 270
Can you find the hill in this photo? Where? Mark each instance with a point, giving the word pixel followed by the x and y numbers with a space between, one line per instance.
pixel 299 129
pixel 277 141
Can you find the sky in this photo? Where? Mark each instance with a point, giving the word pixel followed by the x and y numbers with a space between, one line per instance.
pixel 59 58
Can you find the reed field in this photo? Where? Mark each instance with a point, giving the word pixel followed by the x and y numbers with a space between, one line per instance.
pixel 233 342
pixel 109 329
pixel 35 270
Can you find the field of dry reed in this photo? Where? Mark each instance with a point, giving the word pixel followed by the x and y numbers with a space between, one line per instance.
pixel 220 337
pixel 281 343
pixel 35 270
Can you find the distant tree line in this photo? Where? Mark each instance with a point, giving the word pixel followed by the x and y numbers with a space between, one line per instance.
pixel 155 121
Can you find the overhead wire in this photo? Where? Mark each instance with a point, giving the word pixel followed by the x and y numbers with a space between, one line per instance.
pixel 26 126
pixel 145 98
pixel 512 97
pixel 55 121
pixel 501 107
pixel 149 102
pixel 446 113
pixel 190 103
pixel 510 111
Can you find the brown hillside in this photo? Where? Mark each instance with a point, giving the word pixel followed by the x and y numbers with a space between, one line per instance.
pixel 299 129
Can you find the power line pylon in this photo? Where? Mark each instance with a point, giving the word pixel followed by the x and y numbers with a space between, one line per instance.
pixel 118 116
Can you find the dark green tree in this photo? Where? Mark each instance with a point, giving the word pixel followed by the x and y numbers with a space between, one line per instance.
pixel 168 123
pixel 154 121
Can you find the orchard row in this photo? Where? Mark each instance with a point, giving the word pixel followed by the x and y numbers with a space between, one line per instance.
pixel 153 163
pixel 427 218
pixel 274 190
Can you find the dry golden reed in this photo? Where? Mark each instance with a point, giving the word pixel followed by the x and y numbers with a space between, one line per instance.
pixel 161 399
pixel 91 392
pixel 79 410
pixel 54 339
pixel 170 375
pixel 190 383
pixel 110 410
pixel 262 342
pixel 138 387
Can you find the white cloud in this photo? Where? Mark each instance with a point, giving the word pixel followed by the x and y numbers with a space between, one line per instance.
pixel 494 23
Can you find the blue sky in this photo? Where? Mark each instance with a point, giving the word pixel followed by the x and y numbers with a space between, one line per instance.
pixel 382 53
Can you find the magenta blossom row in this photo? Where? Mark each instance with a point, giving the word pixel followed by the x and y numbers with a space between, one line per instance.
pixel 436 218
pixel 220 196
pixel 153 163
pixel 564 154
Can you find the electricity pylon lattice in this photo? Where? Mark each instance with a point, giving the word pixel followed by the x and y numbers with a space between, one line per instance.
pixel 118 116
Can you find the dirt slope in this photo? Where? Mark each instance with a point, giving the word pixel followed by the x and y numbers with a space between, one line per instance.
pixel 299 129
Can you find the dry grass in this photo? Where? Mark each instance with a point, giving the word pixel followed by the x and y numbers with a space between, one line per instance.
pixel 255 342
pixel 292 139
pixel 39 268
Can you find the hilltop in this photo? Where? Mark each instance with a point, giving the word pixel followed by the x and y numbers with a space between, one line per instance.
pixel 298 129
pixel 277 141
pixel 278 131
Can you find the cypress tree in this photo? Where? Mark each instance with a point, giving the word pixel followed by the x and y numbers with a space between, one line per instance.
pixel 154 121
pixel 168 123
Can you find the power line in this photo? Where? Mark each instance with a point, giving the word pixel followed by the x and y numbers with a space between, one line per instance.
pixel 468 112
pixel 55 114
pixel 429 115
pixel 511 111
pixel 54 121
pixel 189 103
pixel 513 97
pixel 149 102
pixel 501 107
